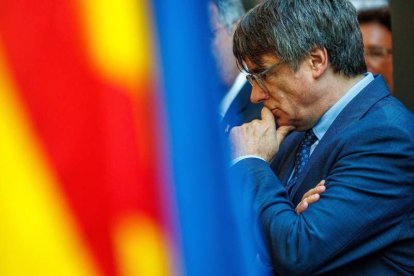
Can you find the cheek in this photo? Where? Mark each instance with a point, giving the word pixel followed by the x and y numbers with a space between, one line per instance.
pixel 288 109
pixel 388 64
pixel 380 67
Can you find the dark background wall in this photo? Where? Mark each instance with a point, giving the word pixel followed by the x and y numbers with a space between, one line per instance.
pixel 402 20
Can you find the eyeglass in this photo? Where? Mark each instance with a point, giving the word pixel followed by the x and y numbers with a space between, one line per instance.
pixel 261 77
pixel 377 52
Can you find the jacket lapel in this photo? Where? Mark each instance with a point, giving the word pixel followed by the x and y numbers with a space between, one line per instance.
pixel 354 111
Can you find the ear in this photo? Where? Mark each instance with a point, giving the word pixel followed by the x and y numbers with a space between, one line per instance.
pixel 318 60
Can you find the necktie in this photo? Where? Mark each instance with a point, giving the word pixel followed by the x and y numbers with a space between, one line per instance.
pixel 302 157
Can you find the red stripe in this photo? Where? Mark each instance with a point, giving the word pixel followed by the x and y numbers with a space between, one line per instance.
pixel 98 139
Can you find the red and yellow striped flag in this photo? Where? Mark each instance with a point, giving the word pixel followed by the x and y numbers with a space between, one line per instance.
pixel 81 186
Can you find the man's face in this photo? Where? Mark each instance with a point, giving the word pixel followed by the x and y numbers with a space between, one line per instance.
pixel 289 95
pixel 377 40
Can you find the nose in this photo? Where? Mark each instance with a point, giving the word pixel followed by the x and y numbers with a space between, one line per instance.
pixel 258 95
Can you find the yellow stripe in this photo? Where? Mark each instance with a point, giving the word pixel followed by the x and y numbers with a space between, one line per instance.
pixel 118 36
pixel 37 233
pixel 142 248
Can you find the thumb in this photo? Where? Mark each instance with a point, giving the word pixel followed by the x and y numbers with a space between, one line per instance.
pixel 268 116
pixel 282 131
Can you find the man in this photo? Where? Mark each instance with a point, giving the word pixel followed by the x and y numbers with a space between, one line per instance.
pixel 375 27
pixel 306 65
pixel 236 107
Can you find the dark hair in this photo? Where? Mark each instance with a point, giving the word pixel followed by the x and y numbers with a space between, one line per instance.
pixel 378 15
pixel 290 29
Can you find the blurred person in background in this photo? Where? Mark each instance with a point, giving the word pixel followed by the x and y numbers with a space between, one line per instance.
pixel 235 107
pixel 375 27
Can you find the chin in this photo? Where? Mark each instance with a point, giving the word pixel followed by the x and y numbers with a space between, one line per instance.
pixel 281 122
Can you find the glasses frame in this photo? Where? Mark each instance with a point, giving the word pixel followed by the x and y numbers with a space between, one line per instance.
pixel 259 77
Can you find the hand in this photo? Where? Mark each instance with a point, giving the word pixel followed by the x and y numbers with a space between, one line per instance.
pixel 310 197
pixel 259 137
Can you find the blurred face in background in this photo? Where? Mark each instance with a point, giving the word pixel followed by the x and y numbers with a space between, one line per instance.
pixel 378 50
pixel 222 47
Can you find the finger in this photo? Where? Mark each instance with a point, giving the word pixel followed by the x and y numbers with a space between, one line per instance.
pixel 233 133
pixel 302 206
pixel 320 188
pixel 308 193
pixel 313 198
pixel 282 131
pixel 321 183
pixel 316 190
pixel 268 117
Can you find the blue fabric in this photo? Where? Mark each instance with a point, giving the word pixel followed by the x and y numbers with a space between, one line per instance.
pixel 242 110
pixel 213 226
pixel 364 222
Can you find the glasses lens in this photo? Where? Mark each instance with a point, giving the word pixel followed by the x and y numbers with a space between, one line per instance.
pixel 261 83
pixel 253 78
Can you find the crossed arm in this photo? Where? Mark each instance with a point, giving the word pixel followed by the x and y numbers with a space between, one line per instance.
pixel 311 196
pixel 361 213
pixel 267 125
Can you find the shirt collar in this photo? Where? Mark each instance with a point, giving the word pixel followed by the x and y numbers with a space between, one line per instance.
pixel 329 117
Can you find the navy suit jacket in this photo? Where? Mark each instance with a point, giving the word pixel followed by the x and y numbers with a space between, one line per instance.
pixel 364 222
pixel 242 110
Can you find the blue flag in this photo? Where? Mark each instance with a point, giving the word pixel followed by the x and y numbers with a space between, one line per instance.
pixel 214 227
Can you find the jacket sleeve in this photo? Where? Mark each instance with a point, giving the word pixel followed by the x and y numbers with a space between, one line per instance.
pixel 370 190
